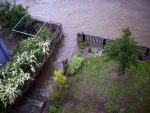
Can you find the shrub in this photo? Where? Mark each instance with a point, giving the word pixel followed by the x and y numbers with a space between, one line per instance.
pixel 24 62
pixel 124 51
pixel 74 65
pixel 60 79
pixel 61 90
pixel 52 109
pixel 12 12
pixel 83 45
pixel 111 107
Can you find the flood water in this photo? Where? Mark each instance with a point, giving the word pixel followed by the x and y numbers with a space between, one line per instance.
pixel 96 17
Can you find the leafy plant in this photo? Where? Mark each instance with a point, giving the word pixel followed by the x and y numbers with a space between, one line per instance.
pixel 12 12
pixel 4 7
pixel 111 107
pixel 60 79
pixel 26 58
pixel 124 51
pixel 52 109
pixel 74 65
pixel 61 90
pixel 83 45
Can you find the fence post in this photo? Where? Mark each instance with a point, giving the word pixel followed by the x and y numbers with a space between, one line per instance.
pixel 147 52
pixel 80 37
pixel 104 42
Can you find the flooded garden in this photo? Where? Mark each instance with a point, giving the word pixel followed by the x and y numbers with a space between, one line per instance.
pixel 69 69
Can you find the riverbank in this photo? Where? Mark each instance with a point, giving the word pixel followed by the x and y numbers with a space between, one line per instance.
pixel 97 87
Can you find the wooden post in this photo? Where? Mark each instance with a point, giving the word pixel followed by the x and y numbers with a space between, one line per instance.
pixel 65 65
pixel 147 52
pixel 80 37
pixel 104 42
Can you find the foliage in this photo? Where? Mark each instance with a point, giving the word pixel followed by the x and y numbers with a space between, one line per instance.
pixel 138 90
pixel 61 90
pixel 25 60
pixel 74 65
pixel 12 12
pixel 83 45
pixel 4 7
pixel 60 79
pixel 111 107
pixel 96 84
pixel 124 51
pixel 52 109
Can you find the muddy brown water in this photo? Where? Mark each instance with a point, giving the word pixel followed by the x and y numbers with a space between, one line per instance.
pixel 96 17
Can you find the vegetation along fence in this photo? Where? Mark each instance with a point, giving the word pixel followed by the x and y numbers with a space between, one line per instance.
pixel 98 40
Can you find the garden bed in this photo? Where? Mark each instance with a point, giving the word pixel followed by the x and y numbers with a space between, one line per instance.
pixel 84 51
pixel 50 41
pixel 56 36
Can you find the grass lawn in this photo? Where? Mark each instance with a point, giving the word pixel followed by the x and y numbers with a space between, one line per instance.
pixel 97 88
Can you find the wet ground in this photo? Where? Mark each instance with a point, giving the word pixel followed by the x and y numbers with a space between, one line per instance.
pixel 97 17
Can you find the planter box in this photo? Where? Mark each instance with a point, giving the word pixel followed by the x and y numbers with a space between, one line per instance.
pixel 57 35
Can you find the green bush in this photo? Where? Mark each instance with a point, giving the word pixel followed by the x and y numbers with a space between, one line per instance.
pixel 60 79
pixel 61 90
pixel 124 51
pixel 12 12
pixel 83 45
pixel 52 109
pixel 74 65
pixel 111 107
pixel 25 60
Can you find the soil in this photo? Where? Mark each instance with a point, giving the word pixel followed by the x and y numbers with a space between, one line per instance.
pixel 86 90
pixel 100 105
pixel 92 50
pixel 70 105
pixel 122 79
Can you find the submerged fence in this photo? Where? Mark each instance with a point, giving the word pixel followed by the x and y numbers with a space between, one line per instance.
pixel 98 40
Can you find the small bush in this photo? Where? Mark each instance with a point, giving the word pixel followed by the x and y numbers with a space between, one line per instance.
pixel 12 12
pixel 83 45
pixel 52 109
pixel 61 90
pixel 60 79
pixel 74 65
pixel 111 107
